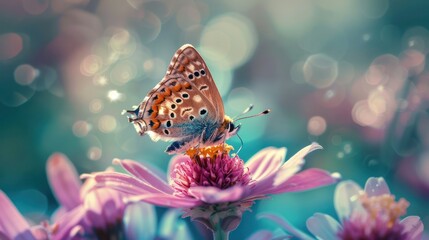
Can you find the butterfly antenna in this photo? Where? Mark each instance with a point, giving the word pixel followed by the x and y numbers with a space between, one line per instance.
pixel 248 109
pixel 256 115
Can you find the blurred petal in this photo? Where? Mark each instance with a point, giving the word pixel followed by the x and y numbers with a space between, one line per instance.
pixel 376 186
pixel 165 200
pixel 143 173
pixel 64 180
pixel 216 195
pixel 168 222
pixel 140 221
pixel 265 162
pixel 103 207
pixel 68 223
pixel 323 226
pixel 261 235
pixel 414 226
pixel 175 160
pixel 294 164
pixel 305 180
pixel 40 233
pixel 285 225
pixel 346 198
pixel 12 224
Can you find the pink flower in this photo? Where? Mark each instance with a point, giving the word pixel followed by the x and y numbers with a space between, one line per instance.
pixel 214 188
pixel 370 214
pixel 14 226
pixel 98 213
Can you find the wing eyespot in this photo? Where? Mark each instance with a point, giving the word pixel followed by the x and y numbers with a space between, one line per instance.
pixel 196 74
pixel 191 76
pixel 166 132
pixel 173 106
pixel 172 115
pixel 203 111
pixel 178 100
pixel 185 95
pixel 191 117
pixel 203 73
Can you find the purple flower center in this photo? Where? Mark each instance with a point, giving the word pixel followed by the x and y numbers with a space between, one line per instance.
pixel 219 171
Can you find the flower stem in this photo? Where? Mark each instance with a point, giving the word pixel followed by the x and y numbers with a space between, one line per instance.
pixel 219 233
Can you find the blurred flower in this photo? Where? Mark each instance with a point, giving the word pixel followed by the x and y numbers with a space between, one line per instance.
pixel 14 226
pixel 88 212
pixel 214 188
pixel 371 214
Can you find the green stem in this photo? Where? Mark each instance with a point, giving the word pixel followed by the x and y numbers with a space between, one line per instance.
pixel 219 233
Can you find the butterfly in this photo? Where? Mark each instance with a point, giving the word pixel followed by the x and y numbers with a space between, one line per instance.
pixel 185 107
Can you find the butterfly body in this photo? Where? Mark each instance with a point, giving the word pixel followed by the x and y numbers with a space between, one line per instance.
pixel 185 107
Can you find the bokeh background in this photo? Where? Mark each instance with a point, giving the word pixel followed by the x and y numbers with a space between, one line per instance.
pixel 349 74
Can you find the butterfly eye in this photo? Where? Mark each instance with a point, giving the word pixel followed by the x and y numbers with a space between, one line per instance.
pixel 202 72
pixel 185 95
pixel 203 111
pixel 197 74
pixel 231 127
pixel 191 117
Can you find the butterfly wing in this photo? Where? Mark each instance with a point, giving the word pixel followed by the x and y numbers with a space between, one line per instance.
pixel 189 63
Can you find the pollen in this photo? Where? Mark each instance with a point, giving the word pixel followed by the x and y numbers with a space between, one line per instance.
pixel 209 152
pixel 384 206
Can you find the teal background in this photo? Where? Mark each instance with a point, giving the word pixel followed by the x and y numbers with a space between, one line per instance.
pixel 349 74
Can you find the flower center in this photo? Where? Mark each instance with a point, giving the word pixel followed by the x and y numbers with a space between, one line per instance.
pixel 210 167
pixel 378 220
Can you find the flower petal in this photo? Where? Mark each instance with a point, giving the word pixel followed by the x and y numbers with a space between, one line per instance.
pixel 413 226
pixel 103 206
pixel 171 227
pixel 140 221
pixel 261 235
pixel 175 160
pixel 64 180
pixel 124 183
pixel 165 200
pixel 216 195
pixel 12 223
pixel 323 226
pixel 286 226
pixel 146 174
pixel 305 180
pixel 40 233
pixel 376 186
pixel 294 164
pixel 68 222
pixel 265 162
pixel 346 198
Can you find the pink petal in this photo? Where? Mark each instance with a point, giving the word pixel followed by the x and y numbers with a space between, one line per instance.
pixel 286 226
pixel 12 224
pixel 144 173
pixel 175 160
pixel 103 207
pixel 346 199
pixel 216 195
pixel 124 183
pixel 413 226
pixel 265 162
pixel 40 233
pixel 323 226
pixel 294 164
pixel 64 180
pixel 376 186
pixel 69 222
pixel 305 180
pixel 165 200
